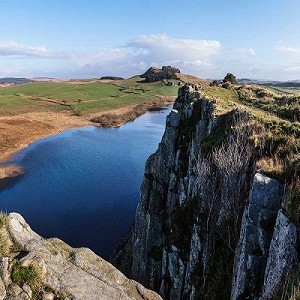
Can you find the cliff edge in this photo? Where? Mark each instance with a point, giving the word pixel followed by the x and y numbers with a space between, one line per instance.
pixel 209 223
pixel 32 267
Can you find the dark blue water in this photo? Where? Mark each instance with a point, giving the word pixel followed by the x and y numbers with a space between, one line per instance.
pixel 83 185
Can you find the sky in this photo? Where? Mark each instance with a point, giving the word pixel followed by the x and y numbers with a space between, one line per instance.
pixel 206 38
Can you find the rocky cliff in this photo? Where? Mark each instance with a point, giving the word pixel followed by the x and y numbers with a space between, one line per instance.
pixel 35 268
pixel 156 74
pixel 208 224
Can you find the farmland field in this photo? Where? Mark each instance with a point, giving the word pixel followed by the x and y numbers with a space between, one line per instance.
pixel 85 97
pixel 285 90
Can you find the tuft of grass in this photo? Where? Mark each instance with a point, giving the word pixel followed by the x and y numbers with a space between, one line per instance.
pixel 290 288
pixel 292 206
pixel 3 219
pixel 218 134
pixel 4 245
pixel 30 275
pixel 286 106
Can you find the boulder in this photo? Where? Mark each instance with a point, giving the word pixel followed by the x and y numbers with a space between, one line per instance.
pixel 78 273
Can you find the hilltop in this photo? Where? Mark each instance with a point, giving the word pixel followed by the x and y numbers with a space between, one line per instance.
pixel 156 74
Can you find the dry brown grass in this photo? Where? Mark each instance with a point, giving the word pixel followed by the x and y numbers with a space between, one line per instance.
pixel 116 120
pixel 16 132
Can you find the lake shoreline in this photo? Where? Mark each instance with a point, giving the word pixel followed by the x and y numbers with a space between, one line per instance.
pixel 17 132
pixel 88 179
pixel 42 125
pixel 9 174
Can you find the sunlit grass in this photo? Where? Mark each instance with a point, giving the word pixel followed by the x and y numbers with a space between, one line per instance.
pixel 85 97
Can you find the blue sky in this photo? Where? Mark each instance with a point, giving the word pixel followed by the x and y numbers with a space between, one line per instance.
pixel 89 38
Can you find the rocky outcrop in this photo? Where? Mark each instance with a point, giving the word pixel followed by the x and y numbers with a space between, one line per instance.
pixel 257 229
pixel 282 256
pixel 204 226
pixel 188 194
pixel 35 268
pixel 9 174
pixel 155 74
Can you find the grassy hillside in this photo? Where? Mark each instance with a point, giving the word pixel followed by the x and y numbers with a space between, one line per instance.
pixel 277 113
pixel 285 90
pixel 84 97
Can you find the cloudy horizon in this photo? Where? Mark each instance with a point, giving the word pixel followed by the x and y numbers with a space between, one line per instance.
pixel 58 41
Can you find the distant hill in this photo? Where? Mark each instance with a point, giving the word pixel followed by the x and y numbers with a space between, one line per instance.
pixel 12 80
pixel 295 83
pixel 291 83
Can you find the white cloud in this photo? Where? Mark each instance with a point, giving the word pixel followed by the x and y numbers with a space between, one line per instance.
pixel 203 58
pixel 163 47
pixel 291 50
pixel 10 71
pixel 292 69
pixel 245 51
pixel 151 50
pixel 12 48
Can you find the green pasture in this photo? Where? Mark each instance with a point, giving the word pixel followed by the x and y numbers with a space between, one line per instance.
pixel 84 97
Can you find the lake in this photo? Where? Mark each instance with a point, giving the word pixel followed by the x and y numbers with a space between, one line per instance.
pixel 83 185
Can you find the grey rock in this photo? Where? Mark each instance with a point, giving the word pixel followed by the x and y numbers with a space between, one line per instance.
pixel 266 192
pixel 4 270
pixel 174 118
pixel 76 272
pixel 26 288
pixel 23 296
pixel 282 255
pixel 189 110
pixel 257 229
pixel 48 296
pixel 176 270
pixel 2 290
pixel 14 291
pixel 156 74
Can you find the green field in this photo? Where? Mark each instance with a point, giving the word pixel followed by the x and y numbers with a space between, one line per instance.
pixel 84 97
pixel 284 90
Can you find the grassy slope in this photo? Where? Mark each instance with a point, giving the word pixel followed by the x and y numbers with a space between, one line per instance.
pixel 84 97
pixel 286 90
pixel 280 131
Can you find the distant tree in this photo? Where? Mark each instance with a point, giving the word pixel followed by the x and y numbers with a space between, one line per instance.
pixel 230 78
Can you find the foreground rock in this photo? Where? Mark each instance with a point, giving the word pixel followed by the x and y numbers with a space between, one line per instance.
pixel 32 267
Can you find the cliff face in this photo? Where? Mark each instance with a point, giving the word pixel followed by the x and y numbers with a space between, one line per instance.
pixel 35 268
pixel 205 222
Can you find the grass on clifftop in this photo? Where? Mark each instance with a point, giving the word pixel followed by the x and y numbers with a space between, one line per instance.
pixel 83 97
pixel 277 113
